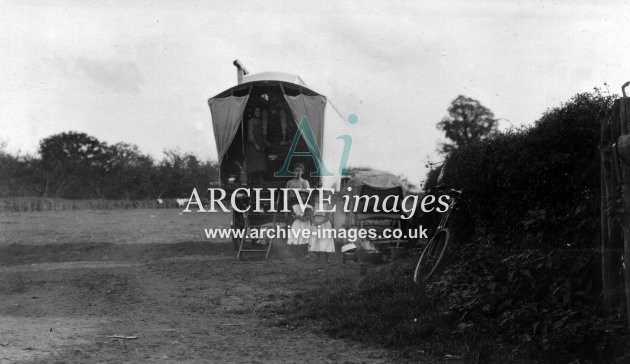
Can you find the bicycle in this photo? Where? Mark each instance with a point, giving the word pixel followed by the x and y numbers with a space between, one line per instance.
pixel 434 251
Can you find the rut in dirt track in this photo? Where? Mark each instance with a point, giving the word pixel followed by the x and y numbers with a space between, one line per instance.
pixel 188 301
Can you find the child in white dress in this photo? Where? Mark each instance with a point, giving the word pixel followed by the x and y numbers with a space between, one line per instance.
pixel 321 242
pixel 303 222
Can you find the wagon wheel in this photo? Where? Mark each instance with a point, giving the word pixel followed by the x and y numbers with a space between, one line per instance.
pixel 238 223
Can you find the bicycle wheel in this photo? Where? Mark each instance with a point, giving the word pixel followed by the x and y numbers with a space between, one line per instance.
pixel 432 255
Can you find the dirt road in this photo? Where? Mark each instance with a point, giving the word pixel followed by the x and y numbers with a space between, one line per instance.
pixel 69 281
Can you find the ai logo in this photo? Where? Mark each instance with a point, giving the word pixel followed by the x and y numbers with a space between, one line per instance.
pixel 304 129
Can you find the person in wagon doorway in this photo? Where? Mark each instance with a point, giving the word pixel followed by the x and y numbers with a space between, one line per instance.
pixel 255 159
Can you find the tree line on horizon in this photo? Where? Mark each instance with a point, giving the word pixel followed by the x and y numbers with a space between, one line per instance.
pixel 75 165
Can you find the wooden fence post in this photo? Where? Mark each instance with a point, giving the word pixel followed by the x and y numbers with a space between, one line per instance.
pixel 609 287
pixel 623 118
pixel 613 248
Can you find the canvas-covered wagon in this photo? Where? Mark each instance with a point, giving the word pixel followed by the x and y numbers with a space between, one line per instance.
pixel 260 135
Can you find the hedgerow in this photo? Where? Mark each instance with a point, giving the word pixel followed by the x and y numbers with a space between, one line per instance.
pixel 531 268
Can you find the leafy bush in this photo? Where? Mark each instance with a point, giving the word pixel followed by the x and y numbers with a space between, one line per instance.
pixel 543 301
pixel 531 271
pixel 541 179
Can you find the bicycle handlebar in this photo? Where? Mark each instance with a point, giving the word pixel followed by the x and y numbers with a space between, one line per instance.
pixel 443 188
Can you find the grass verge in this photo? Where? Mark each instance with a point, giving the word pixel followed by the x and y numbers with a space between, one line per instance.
pixel 28 203
pixel 384 308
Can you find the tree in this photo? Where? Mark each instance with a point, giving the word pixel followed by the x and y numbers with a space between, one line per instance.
pixel 178 173
pixel 467 122
pixel 72 157
pixel 130 172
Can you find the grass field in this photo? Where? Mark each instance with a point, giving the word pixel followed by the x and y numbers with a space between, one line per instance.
pixel 72 279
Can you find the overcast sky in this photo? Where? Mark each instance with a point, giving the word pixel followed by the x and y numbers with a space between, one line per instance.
pixel 141 72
